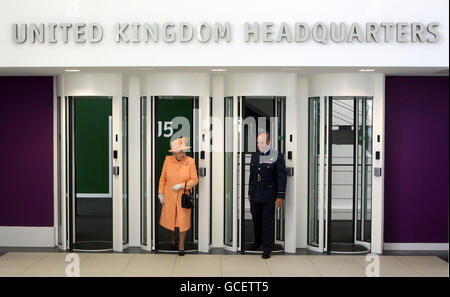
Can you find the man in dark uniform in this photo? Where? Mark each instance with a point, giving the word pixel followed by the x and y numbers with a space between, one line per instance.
pixel 267 186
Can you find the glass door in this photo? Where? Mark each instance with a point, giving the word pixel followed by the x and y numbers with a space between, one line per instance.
pixel 175 116
pixel 90 168
pixel 315 151
pixel 61 117
pixel 348 189
pixel 259 114
pixel 230 219
pixel 280 129
pixel 363 201
pixel 125 170
pixel 339 174
pixel 145 176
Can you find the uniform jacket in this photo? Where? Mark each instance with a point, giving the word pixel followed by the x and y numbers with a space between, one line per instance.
pixel 271 168
pixel 176 172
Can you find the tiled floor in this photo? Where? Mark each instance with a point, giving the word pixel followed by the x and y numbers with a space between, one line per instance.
pixel 107 264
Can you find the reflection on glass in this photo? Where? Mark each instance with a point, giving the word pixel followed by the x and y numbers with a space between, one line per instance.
pixel 342 167
pixel 313 171
pixel 228 224
pixel 368 174
pixel 364 169
pixel 144 170
pixel 359 165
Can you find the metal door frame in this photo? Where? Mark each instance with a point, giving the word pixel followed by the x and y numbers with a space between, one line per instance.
pixel 152 197
pixel 65 163
pixel 240 168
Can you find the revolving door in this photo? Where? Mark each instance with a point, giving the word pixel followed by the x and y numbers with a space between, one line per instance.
pixel 340 174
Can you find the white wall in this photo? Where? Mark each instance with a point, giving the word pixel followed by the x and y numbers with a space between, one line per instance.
pixel 234 53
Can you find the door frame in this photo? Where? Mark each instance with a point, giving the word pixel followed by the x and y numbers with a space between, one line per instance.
pixel 65 186
pixel 239 175
pixel 203 132
pixel 194 130
pixel 324 199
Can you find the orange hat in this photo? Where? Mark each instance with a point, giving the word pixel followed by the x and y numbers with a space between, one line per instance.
pixel 179 145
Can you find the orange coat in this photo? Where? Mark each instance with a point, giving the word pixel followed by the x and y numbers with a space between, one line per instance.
pixel 176 172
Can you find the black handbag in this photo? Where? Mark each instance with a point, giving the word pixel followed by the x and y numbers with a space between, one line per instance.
pixel 187 201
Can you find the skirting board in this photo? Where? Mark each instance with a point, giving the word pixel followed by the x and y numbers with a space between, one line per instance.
pixel 416 246
pixel 27 236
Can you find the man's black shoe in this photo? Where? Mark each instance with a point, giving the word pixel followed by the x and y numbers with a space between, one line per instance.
pixel 266 255
pixel 254 246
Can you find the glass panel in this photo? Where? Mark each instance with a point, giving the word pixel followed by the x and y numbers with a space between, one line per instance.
pixel 93 178
pixel 228 163
pixel 144 170
pixel 195 146
pixel 351 171
pixel 342 169
pixel 325 170
pixel 210 168
pixel 368 165
pixel 68 176
pixel 281 116
pixel 239 202
pixel 313 171
pixel 125 168
pixel 58 150
pixel 359 166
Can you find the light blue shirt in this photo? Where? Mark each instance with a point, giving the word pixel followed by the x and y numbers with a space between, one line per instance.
pixel 268 149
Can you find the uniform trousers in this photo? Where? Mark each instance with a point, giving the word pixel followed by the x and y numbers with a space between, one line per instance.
pixel 263 214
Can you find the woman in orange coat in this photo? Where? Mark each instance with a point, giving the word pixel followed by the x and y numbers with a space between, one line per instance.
pixel 178 170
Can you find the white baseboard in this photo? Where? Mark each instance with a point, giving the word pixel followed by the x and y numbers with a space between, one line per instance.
pixel 416 246
pixel 27 236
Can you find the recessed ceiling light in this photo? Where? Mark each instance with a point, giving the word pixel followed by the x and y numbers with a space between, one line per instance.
pixel 292 69
pixel 218 69
pixel 73 70
pixel 144 69
pixel 366 70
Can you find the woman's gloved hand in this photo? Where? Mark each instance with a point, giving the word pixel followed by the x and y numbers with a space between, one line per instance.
pixel 161 198
pixel 177 187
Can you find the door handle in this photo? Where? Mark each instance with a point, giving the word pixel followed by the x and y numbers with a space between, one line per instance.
pixel 115 170
pixel 290 171
pixel 202 171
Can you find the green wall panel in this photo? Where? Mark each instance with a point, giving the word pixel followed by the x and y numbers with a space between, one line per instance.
pixel 92 147
pixel 167 109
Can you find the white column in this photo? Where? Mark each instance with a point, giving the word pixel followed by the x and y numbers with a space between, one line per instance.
pixel 204 184
pixel 302 162
pixel 218 94
pixel 378 181
pixel 134 162
pixel 117 179
pixel 292 186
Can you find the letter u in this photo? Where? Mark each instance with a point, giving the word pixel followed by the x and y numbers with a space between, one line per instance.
pixel 19 35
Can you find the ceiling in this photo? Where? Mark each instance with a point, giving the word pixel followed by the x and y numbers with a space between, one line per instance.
pixel 46 71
